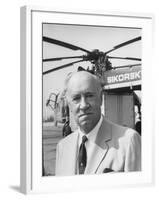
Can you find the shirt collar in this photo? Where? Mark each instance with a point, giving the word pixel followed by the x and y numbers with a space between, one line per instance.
pixel 93 133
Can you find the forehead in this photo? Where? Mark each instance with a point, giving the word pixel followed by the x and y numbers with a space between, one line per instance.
pixel 82 82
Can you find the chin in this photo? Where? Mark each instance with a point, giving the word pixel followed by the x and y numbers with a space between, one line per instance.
pixel 86 126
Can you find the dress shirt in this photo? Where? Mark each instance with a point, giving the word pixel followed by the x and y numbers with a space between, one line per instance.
pixel 91 139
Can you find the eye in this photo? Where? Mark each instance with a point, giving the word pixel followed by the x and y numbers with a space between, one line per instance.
pixel 89 95
pixel 76 98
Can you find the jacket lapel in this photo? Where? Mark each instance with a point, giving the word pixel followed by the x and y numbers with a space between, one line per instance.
pixel 99 148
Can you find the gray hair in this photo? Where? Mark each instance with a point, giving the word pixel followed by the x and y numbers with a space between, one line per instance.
pixel 69 76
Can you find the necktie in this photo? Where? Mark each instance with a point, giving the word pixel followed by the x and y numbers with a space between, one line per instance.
pixel 82 160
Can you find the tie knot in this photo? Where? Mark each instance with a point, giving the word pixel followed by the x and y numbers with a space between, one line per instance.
pixel 84 139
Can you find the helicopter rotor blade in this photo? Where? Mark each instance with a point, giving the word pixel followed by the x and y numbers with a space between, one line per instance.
pixel 124 58
pixel 124 44
pixel 63 44
pixel 61 58
pixel 126 66
pixel 62 66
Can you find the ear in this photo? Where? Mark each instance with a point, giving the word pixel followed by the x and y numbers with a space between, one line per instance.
pixel 68 102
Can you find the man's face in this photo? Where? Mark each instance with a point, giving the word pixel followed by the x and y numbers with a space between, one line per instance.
pixel 84 98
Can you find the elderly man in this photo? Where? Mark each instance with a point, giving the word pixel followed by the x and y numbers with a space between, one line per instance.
pixel 98 145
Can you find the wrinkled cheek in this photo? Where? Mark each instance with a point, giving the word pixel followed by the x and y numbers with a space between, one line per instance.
pixel 72 107
pixel 74 111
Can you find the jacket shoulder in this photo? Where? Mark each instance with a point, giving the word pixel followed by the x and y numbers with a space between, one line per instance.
pixel 68 138
pixel 121 131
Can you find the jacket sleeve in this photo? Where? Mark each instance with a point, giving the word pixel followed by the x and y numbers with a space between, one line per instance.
pixel 133 152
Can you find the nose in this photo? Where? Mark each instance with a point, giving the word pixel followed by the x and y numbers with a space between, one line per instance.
pixel 84 104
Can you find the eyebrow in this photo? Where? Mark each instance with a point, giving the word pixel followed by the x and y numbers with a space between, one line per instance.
pixel 85 93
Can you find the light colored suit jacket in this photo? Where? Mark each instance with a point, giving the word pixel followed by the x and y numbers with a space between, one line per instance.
pixel 116 148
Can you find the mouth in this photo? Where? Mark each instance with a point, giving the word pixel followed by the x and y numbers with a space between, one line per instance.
pixel 85 114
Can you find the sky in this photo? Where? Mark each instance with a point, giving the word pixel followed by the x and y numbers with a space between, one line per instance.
pixel 87 37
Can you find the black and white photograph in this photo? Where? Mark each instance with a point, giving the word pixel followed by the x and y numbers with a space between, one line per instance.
pixel 79 100
pixel 91 99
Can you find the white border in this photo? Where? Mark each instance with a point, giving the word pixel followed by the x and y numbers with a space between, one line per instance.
pixel 31 101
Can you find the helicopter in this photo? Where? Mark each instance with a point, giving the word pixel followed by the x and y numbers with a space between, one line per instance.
pixel 117 81
pixel 99 59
